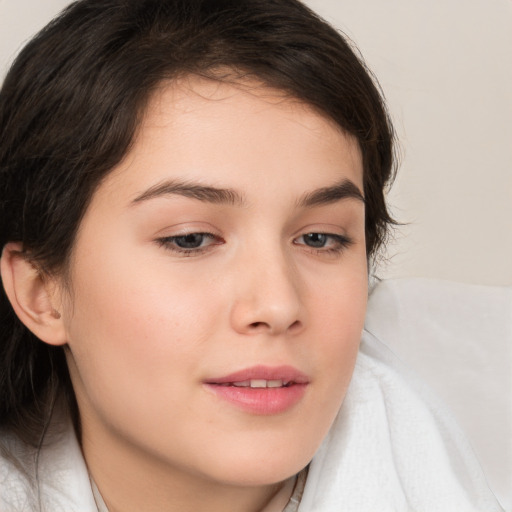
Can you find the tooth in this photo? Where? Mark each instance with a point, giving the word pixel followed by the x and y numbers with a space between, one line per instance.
pixel 274 383
pixel 242 384
pixel 258 383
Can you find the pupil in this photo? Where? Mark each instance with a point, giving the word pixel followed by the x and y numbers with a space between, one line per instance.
pixel 192 241
pixel 315 239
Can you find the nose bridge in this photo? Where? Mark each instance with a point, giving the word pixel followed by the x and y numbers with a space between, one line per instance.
pixel 268 296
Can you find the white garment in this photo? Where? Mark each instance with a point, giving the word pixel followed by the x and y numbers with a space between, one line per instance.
pixel 392 448
pixel 458 338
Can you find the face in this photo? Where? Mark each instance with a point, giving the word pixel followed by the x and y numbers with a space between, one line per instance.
pixel 218 287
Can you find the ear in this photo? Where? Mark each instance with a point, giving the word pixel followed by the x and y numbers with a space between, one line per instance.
pixel 33 297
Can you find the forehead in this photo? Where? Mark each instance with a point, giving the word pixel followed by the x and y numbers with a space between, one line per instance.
pixel 236 134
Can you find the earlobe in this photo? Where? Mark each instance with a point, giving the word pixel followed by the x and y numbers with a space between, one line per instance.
pixel 31 296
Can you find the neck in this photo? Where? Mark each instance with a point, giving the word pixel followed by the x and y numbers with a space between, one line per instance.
pixel 129 482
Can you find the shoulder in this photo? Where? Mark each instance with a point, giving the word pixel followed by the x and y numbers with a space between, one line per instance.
pixel 53 478
pixel 17 474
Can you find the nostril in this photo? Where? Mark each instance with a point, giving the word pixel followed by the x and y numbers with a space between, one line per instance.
pixel 263 326
pixel 295 326
pixel 259 325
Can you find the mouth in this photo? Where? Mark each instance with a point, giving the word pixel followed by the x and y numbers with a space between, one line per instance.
pixel 262 376
pixel 259 383
pixel 261 390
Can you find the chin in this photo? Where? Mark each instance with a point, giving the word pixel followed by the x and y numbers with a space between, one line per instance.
pixel 258 464
pixel 266 473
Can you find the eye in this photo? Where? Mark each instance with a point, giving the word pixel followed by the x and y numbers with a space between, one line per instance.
pixel 324 242
pixel 189 243
pixel 316 239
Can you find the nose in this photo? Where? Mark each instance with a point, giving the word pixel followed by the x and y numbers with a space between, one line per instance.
pixel 268 297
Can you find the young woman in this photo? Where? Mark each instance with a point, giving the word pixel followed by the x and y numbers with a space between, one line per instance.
pixel 192 193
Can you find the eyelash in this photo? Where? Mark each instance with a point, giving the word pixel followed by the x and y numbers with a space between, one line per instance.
pixel 341 243
pixel 169 242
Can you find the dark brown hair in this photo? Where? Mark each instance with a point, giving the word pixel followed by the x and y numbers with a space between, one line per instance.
pixel 70 106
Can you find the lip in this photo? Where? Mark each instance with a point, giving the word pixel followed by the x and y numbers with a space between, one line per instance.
pixel 285 373
pixel 261 401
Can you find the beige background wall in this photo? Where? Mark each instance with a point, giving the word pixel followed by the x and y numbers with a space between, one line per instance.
pixel 446 69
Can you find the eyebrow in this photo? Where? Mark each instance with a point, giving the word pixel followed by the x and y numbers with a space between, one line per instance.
pixel 345 189
pixel 197 191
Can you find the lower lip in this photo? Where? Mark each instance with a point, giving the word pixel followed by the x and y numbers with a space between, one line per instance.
pixel 264 401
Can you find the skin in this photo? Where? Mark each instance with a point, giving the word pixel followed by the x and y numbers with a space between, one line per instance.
pixel 147 322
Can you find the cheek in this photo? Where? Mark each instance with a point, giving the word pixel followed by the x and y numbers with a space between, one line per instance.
pixel 135 327
pixel 337 321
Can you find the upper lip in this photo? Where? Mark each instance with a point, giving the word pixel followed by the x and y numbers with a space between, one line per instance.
pixel 261 372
